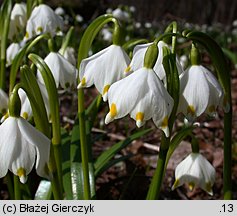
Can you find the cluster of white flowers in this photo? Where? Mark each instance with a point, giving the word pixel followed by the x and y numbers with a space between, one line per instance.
pixel 131 88
pixel 128 85
pixel 21 143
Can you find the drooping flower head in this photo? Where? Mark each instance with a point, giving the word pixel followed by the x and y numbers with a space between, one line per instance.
pixel 103 69
pixel 18 20
pixel 12 51
pixel 200 92
pixel 20 145
pixel 195 170
pixel 43 20
pixel 143 96
pixel 64 73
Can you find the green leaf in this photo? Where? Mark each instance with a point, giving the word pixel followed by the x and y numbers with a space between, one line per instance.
pixel 181 135
pixel 5 23
pixel 66 163
pixel 67 38
pixel 52 93
pixel 231 55
pixel 77 181
pixel 44 191
pixel 172 79
pixel 111 163
pixel 107 155
pixel 36 100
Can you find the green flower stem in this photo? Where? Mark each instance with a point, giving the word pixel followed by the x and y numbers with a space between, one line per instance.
pixel 83 141
pixel 83 50
pixel 195 145
pixel 156 183
pixel 227 155
pixel 17 189
pixel 10 185
pixel 54 111
pixel 223 72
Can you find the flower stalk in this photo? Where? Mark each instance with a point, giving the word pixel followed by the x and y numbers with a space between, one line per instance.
pixel 84 48
pixel 156 183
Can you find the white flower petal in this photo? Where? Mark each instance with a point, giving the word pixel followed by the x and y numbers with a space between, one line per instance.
pixel 63 71
pixel 8 140
pixel 23 157
pixel 12 51
pixel 18 19
pixel 200 92
pixel 195 170
pixel 41 143
pixel 143 96
pixel 43 20
pixel 103 69
pixel 26 110
pixel 138 56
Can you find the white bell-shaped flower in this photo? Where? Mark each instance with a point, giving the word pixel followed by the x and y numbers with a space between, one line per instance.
pixel 3 102
pixel 22 146
pixel 43 20
pixel 18 19
pixel 195 170
pixel 143 96
pixel 64 73
pixel 12 51
pixel 137 61
pixel 103 69
pixel 200 92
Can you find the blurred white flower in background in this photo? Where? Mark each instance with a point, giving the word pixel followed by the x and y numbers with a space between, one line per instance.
pixel 120 14
pixel 148 25
pixel 79 18
pixel 18 20
pixel 132 9
pixel 12 51
pixel 106 34
pixel 43 20
pixel 64 73
pixel 59 11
